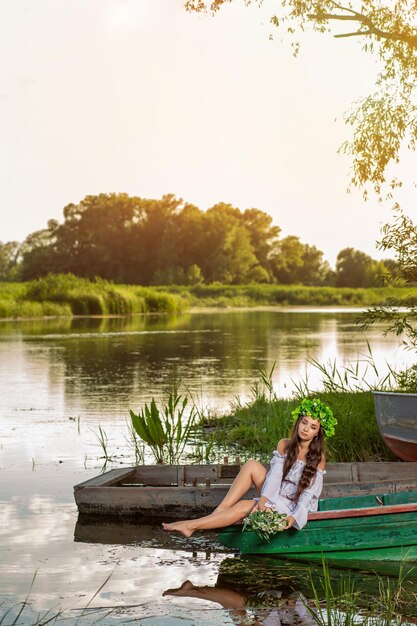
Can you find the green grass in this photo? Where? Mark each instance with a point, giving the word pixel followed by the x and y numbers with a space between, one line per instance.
pixel 66 295
pixel 255 429
pixel 342 603
pixel 284 295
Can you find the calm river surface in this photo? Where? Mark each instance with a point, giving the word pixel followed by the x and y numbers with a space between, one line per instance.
pixel 60 379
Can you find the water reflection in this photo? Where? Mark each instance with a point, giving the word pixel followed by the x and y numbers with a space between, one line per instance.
pixel 272 606
pixel 145 570
pixel 101 366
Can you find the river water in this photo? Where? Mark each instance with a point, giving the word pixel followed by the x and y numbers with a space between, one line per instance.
pixel 61 379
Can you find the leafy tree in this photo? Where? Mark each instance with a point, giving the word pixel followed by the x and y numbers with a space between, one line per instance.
pixel 315 270
pixel 9 256
pixel 353 268
pixel 357 269
pixel 287 259
pixel 297 262
pixel 399 316
pixel 194 275
pixel 38 253
pixel 262 234
pixel 143 241
pixel 386 120
pixel 227 254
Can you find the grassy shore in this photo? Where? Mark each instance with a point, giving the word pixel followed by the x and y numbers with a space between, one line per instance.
pixel 253 430
pixel 67 295
pixel 284 295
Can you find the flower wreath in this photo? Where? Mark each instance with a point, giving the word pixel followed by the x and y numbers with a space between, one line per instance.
pixel 316 409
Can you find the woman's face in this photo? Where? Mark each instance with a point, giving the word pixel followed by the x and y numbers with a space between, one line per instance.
pixel 308 428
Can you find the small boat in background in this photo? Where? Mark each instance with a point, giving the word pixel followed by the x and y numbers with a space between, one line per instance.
pixel 396 414
pixel 371 532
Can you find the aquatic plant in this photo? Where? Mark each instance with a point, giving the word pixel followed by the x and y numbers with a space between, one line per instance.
pixel 103 441
pixel 340 603
pixel 134 443
pixel 167 430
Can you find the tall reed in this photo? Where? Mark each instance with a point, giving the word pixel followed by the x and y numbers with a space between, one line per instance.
pixel 166 430
pixel 341 603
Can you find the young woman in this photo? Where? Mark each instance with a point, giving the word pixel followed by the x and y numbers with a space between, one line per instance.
pixel 293 483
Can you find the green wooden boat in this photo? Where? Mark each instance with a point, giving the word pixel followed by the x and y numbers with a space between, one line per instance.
pixel 362 532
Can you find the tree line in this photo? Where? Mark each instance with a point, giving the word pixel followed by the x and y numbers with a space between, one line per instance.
pixel 134 240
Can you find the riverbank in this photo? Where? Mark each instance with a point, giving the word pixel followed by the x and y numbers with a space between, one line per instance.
pixel 68 296
pixel 253 429
pixel 217 295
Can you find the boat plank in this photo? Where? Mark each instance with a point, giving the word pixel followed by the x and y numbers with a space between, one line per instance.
pixel 364 512
pixel 108 478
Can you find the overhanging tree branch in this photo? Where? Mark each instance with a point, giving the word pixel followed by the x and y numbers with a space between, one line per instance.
pixel 366 21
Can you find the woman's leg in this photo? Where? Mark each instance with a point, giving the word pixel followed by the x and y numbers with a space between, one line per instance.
pixel 223 518
pixel 227 598
pixel 251 473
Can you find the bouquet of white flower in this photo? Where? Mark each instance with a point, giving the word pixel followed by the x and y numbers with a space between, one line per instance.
pixel 265 523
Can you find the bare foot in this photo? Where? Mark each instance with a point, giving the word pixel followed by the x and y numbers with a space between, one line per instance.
pixel 186 587
pixel 180 527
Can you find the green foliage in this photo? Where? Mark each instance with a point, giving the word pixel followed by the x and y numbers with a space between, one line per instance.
pixel 406 380
pixel 334 605
pixel 217 294
pixel 255 428
pixel 167 430
pixel 340 603
pixel 316 409
pixel 166 242
pixel 9 256
pixel 67 295
pixel 146 241
pixel 178 276
pixel 357 269
pixel 293 261
pixel 103 441
pixel 399 315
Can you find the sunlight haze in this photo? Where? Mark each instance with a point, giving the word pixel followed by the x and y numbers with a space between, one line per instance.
pixel 144 98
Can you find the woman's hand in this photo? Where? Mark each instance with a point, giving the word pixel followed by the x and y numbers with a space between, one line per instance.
pixel 260 505
pixel 290 520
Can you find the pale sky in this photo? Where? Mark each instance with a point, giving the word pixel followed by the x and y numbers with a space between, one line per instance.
pixel 139 96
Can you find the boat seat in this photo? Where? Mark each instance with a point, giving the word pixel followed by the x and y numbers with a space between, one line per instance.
pixel 404 497
pixel 353 502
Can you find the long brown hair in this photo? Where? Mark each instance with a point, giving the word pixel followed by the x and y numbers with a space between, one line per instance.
pixel 313 458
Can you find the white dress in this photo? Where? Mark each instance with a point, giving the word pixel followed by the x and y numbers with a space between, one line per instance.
pixel 277 491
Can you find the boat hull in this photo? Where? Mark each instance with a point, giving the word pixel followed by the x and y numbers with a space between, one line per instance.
pixel 345 537
pixel 396 415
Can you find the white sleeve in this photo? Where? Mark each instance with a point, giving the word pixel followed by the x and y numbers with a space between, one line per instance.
pixel 273 480
pixel 308 501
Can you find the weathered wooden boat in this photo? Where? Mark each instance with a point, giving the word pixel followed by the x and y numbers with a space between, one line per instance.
pixel 396 414
pixel 181 491
pixel 365 532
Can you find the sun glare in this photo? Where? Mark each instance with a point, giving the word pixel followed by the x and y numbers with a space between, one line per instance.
pixel 124 15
